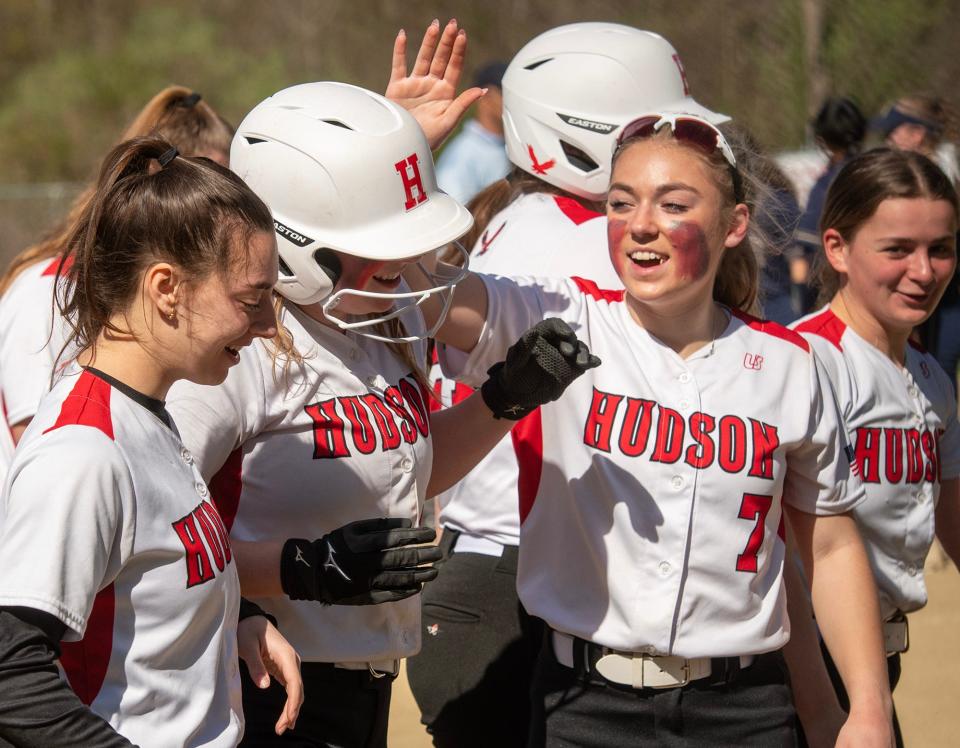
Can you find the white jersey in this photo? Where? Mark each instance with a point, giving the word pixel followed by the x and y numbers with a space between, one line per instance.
pixel 31 336
pixel 107 525
pixel 902 424
pixel 537 234
pixel 650 493
pixel 342 437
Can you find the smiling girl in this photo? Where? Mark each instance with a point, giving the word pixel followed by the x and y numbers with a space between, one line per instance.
pixel 652 493
pixel 889 240
pixel 113 558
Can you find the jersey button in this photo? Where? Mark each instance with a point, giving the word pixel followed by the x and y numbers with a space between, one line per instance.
pixel 406 464
pixel 372 380
pixel 185 454
pixel 677 482
pixel 202 489
pixel 912 570
pixel 664 568
pixel 685 377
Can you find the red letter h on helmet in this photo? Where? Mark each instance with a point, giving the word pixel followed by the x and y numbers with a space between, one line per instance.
pixel 409 171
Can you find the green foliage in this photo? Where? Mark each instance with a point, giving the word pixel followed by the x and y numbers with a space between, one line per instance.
pixel 63 111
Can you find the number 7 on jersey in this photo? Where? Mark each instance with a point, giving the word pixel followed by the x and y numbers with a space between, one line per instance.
pixel 753 507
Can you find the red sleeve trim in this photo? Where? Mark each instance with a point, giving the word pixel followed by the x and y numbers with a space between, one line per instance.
pixel 226 486
pixel 88 404
pixel 527 438
pixel 574 210
pixel 771 328
pixel 827 325
pixel 85 662
pixel 592 289
pixel 51 269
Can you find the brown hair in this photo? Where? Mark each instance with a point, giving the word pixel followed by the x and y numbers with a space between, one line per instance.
pixel 177 115
pixel 185 211
pixel 738 278
pixel 859 188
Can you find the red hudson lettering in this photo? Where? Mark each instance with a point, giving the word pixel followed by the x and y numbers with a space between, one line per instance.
pixel 636 426
pixel 210 533
pixel 765 443
pixel 599 426
pixel 867 452
pixel 409 171
pixel 218 525
pixel 328 439
pixel 700 455
pixel 364 437
pixel 415 406
pixel 930 453
pixel 893 454
pixel 199 569
pixel 914 456
pixel 732 434
pixel 408 427
pixel 670 433
pixel 386 424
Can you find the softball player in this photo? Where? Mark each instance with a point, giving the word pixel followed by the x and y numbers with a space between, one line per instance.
pixel 109 542
pixel 889 238
pixel 567 93
pixel 652 493
pixel 31 334
pixel 332 430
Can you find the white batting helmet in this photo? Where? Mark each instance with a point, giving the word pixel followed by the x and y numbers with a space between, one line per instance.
pixel 342 168
pixel 569 91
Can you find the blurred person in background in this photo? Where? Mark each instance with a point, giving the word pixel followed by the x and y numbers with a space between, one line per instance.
pixel 476 157
pixel 782 297
pixel 839 129
pixel 31 335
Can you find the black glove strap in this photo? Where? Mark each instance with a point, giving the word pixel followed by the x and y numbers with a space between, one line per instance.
pixel 493 394
pixel 298 569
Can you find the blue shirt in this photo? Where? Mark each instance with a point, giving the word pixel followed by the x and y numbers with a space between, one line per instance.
pixel 474 159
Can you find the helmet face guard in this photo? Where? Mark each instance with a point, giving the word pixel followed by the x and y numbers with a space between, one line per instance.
pixel 442 287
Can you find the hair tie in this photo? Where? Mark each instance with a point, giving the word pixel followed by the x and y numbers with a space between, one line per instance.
pixel 188 102
pixel 167 156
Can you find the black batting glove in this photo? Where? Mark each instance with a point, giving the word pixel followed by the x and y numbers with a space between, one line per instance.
pixel 362 563
pixel 537 370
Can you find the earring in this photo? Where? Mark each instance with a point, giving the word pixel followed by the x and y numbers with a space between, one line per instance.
pixel 171 315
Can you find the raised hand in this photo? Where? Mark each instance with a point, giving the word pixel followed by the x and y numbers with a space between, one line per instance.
pixel 429 91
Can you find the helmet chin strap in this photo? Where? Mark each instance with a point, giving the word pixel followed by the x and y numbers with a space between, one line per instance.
pixel 332 268
pixel 443 286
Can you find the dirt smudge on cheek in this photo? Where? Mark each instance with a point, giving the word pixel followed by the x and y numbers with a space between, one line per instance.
pixel 692 253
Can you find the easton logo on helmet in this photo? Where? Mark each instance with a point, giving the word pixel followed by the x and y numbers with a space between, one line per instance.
pixel 586 124
pixel 409 171
pixel 291 235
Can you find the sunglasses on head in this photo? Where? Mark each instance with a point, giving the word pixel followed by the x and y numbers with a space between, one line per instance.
pixel 689 129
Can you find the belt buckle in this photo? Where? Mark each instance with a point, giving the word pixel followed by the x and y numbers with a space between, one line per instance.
pixel 663 671
pixel 644 670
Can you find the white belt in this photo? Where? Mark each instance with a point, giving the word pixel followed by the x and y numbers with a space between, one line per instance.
pixel 477 544
pixel 377 669
pixel 896 636
pixel 642 670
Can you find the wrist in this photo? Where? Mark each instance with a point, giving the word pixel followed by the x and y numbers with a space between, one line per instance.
pixel 497 399
pixel 298 569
